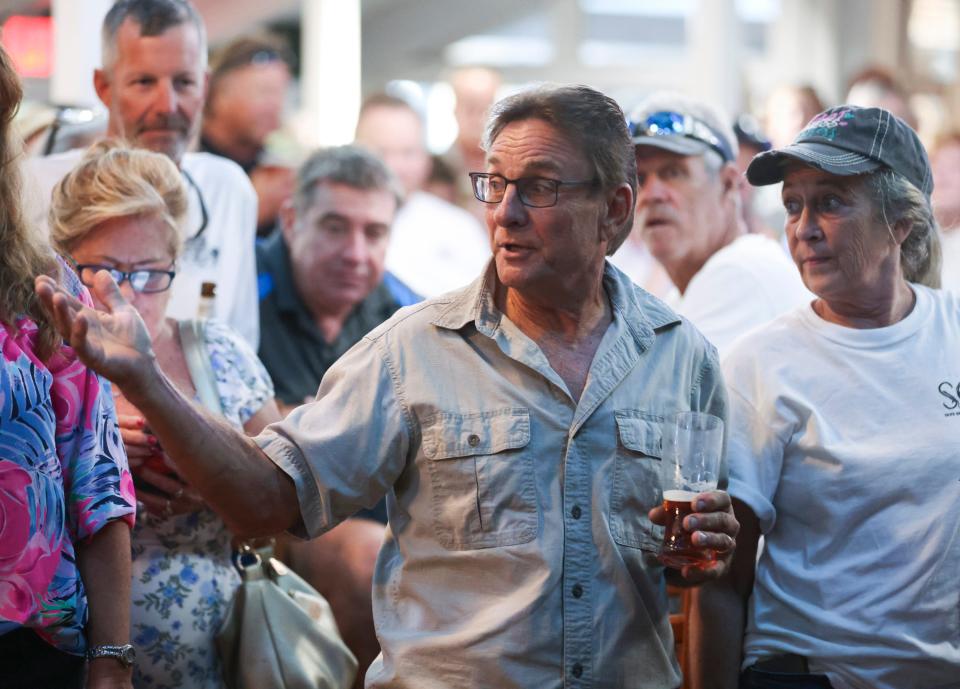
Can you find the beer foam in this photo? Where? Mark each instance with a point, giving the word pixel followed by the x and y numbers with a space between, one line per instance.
pixel 679 495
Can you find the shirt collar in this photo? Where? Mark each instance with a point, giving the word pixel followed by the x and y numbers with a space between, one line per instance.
pixel 276 257
pixel 642 313
pixel 473 304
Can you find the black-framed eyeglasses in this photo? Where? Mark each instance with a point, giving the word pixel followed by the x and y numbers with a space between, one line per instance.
pixel 667 123
pixel 146 280
pixel 536 192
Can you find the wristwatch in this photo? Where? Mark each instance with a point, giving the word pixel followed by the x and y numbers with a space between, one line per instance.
pixel 126 655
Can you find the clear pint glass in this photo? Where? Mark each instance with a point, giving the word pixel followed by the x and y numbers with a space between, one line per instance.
pixel 692 444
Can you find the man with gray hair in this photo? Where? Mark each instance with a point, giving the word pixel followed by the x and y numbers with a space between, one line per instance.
pixel 153 81
pixel 322 280
pixel 514 426
pixel 322 288
pixel 727 281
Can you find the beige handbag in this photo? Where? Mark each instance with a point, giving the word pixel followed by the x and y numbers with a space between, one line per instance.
pixel 278 633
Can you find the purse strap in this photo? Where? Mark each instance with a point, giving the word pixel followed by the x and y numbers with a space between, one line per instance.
pixel 249 557
pixel 198 363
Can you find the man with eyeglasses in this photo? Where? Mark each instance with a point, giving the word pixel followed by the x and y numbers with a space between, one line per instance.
pixel 688 204
pixel 153 82
pixel 514 426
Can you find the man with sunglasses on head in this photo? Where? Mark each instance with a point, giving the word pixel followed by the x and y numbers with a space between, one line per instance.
pixel 153 81
pixel 514 426
pixel 688 206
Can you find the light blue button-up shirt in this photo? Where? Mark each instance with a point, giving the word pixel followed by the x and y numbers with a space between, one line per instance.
pixel 519 553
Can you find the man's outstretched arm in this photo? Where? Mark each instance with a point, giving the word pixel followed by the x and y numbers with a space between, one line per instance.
pixel 252 495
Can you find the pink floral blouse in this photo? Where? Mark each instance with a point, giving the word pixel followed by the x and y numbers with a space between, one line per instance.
pixel 63 476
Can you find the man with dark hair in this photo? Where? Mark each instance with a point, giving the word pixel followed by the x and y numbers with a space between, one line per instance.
pixel 153 82
pixel 727 280
pixel 249 80
pixel 322 280
pixel 322 288
pixel 514 426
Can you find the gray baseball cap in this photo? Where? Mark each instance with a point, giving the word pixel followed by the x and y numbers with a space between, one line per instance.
pixel 682 125
pixel 850 140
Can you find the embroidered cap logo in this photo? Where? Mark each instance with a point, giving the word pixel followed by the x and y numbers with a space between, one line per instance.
pixel 827 124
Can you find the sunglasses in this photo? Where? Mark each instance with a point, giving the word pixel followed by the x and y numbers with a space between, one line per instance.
pixel 666 123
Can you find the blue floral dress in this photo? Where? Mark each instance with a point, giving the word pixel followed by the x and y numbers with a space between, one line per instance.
pixel 183 577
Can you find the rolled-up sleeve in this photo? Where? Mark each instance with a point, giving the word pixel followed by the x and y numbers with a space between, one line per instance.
pixel 756 448
pixel 345 449
pixel 756 460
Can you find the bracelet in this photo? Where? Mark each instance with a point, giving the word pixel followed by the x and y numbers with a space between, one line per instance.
pixel 126 655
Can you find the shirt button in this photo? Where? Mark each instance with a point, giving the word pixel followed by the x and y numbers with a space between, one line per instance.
pixel 473 440
pixel 577 669
pixel 577 590
pixel 575 512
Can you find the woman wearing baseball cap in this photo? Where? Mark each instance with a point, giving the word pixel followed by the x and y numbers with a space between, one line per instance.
pixel 844 442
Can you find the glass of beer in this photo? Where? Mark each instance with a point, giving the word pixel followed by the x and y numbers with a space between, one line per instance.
pixel 692 445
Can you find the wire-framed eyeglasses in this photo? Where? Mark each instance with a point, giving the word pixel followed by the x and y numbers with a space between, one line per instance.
pixel 146 280
pixel 535 192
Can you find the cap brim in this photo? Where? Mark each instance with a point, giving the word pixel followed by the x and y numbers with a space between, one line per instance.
pixel 675 144
pixel 768 167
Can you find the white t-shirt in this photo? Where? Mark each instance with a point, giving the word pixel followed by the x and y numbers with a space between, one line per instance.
pixel 223 253
pixel 435 246
pixel 747 283
pixel 846 445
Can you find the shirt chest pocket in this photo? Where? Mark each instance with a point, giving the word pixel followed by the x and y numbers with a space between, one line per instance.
pixel 636 480
pixel 481 478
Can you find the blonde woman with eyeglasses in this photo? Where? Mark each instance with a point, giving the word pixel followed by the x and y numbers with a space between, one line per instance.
pixel 120 210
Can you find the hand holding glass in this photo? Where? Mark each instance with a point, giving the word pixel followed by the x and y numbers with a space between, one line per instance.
pixel 693 442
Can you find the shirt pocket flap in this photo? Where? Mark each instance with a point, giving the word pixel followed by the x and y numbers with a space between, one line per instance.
pixel 447 435
pixel 643 434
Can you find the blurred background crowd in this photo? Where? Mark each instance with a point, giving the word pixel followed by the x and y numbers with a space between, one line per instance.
pixel 288 76
pixel 259 148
